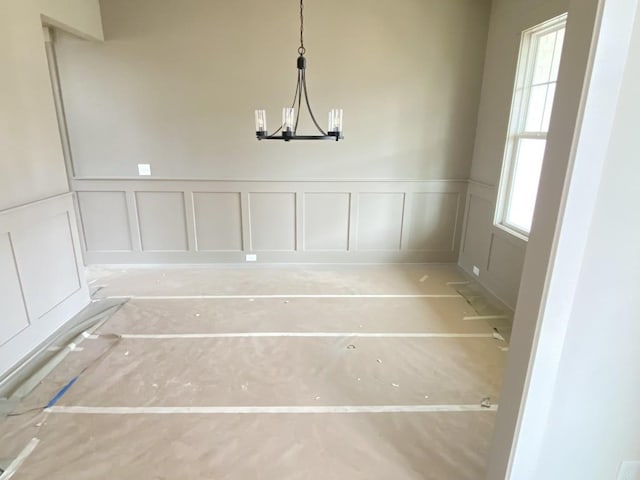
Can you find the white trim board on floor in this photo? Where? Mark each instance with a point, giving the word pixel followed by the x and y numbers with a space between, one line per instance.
pixel 240 297
pixel 252 265
pixel 80 410
pixel 487 317
pixel 20 459
pixel 167 336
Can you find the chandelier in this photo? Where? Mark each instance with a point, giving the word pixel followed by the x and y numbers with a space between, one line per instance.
pixel 288 130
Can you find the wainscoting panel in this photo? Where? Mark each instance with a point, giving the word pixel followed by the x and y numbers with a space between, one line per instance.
pixel 498 254
pixel 107 225
pixel 477 239
pixel 41 280
pixel 430 224
pixel 272 220
pixel 380 219
pixel 218 221
pixel 46 257
pixel 162 220
pixel 14 312
pixel 506 259
pixel 326 221
pixel 210 221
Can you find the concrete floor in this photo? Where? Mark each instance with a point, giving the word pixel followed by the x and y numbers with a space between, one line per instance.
pixel 296 372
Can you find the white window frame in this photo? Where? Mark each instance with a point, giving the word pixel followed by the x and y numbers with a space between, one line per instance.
pixel 517 118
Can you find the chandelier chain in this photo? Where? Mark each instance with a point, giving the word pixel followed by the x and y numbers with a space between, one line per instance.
pixel 301 49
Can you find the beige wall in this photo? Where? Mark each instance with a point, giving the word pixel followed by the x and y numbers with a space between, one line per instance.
pixel 80 17
pixel 498 255
pixel 31 163
pixel 175 85
pixel 508 19
pixel 41 280
pixel 176 82
pixel 30 156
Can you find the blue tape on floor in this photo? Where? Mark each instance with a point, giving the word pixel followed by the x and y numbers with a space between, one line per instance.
pixel 61 393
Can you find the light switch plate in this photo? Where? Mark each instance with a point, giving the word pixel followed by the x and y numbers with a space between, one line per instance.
pixel 144 169
pixel 476 271
pixel 629 470
pixel 252 257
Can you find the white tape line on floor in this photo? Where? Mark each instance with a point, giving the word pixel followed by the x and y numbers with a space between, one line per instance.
pixel 240 297
pixel 486 317
pixel 144 336
pixel 78 410
pixel 19 460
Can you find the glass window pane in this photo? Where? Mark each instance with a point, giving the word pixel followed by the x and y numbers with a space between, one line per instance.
pixel 548 107
pixel 544 57
pixel 557 53
pixel 535 109
pixel 531 111
pixel 524 186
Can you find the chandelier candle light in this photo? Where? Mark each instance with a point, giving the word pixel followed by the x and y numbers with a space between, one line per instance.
pixel 288 130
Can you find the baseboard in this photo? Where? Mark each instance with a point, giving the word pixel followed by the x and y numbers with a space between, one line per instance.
pixel 488 292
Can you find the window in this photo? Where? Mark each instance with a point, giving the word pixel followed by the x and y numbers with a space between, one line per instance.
pixel 533 94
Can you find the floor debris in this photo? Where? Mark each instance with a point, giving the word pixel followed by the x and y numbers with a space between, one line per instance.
pixel 424 278
pixel 497 336
pixel 351 347
pixel 395 385
pixel 486 402
pixel 81 327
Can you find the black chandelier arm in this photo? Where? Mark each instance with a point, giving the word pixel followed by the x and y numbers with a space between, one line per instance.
pixel 273 135
pixel 293 104
pixel 306 97
pixel 299 91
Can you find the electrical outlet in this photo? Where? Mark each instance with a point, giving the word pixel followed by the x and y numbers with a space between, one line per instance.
pixel 476 271
pixel 251 257
pixel 629 471
pixel 144 169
